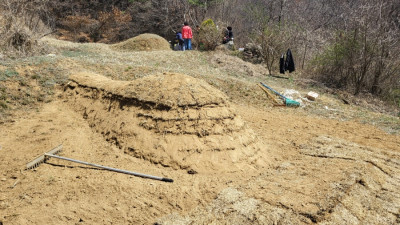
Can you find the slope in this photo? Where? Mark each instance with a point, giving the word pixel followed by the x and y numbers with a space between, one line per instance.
pixel 314 165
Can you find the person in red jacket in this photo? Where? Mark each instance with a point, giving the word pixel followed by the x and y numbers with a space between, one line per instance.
pixel 187 36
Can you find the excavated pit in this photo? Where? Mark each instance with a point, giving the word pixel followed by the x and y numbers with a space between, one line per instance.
pixel 171 119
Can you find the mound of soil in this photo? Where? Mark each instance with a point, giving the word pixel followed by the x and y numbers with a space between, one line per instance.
pixel 143 42
pixel 171 119
pixel 236 65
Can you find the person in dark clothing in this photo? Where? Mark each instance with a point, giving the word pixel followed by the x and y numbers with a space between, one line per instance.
pixel 289 63
pixel 180 40
pixel 228 36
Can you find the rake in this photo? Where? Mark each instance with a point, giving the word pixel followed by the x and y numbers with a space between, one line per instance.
pixel 270 96
pixel 288 101
pixel 52 154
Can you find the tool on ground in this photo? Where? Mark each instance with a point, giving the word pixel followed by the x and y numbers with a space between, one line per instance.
pixel 270 96
pixel 288 101
pixel 43 158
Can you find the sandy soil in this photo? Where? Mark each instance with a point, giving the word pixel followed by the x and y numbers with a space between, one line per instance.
pixel 143 42
pixel 278 167
pixel 233 157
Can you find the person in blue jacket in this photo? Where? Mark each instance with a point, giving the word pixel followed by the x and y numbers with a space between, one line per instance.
pixel 180 40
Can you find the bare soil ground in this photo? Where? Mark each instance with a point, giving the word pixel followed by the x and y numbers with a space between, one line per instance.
pixel 199 119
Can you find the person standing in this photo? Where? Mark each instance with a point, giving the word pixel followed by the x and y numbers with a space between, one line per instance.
pixel 187 36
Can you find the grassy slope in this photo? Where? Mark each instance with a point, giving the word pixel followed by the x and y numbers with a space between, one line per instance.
pixel 27 83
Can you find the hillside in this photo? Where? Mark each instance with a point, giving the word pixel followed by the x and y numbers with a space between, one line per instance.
pixel 200 119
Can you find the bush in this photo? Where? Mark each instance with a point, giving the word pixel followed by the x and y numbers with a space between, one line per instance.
pixel 75 28
pixel 273 40
pixel 21 27
pixel 357 61
pixel 337 62
pixel 209 35
pixel 105 28
pixel 394 96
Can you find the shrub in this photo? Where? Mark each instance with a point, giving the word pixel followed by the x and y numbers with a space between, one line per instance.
pixel 21 27
pixel 209 35
pixel 76 27
pixel 338 62
pixel 105 28
pixel 271 41
pixel 359 62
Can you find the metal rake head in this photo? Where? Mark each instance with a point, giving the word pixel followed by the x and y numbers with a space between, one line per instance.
pixel 41 159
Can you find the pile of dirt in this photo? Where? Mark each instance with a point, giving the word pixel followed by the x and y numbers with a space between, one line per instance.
pixel 236 65
pixel 171 119
pixel 143 42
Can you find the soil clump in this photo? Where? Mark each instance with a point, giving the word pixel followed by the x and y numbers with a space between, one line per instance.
pixel 172 119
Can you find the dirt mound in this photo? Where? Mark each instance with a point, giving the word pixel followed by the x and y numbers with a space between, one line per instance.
pixel 143 42
pixel 172 119
pixel 237 65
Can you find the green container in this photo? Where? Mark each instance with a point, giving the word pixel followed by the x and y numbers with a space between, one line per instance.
pixel 291 103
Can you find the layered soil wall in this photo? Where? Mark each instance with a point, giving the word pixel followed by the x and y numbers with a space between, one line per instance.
pixel 171 119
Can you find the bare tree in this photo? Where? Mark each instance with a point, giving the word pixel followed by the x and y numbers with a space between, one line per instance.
pixel 362 57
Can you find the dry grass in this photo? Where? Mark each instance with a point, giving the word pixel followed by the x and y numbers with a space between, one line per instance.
pixel 20 31
pixel 235 78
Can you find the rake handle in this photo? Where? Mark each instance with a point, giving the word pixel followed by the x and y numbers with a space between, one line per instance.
pixel 112 169
pixel 283 97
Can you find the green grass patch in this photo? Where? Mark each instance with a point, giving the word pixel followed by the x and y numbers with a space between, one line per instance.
pixel 8 74
pixel 73 54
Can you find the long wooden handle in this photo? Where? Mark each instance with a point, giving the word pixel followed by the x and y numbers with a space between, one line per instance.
pixel 111 169
pixel 269 94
